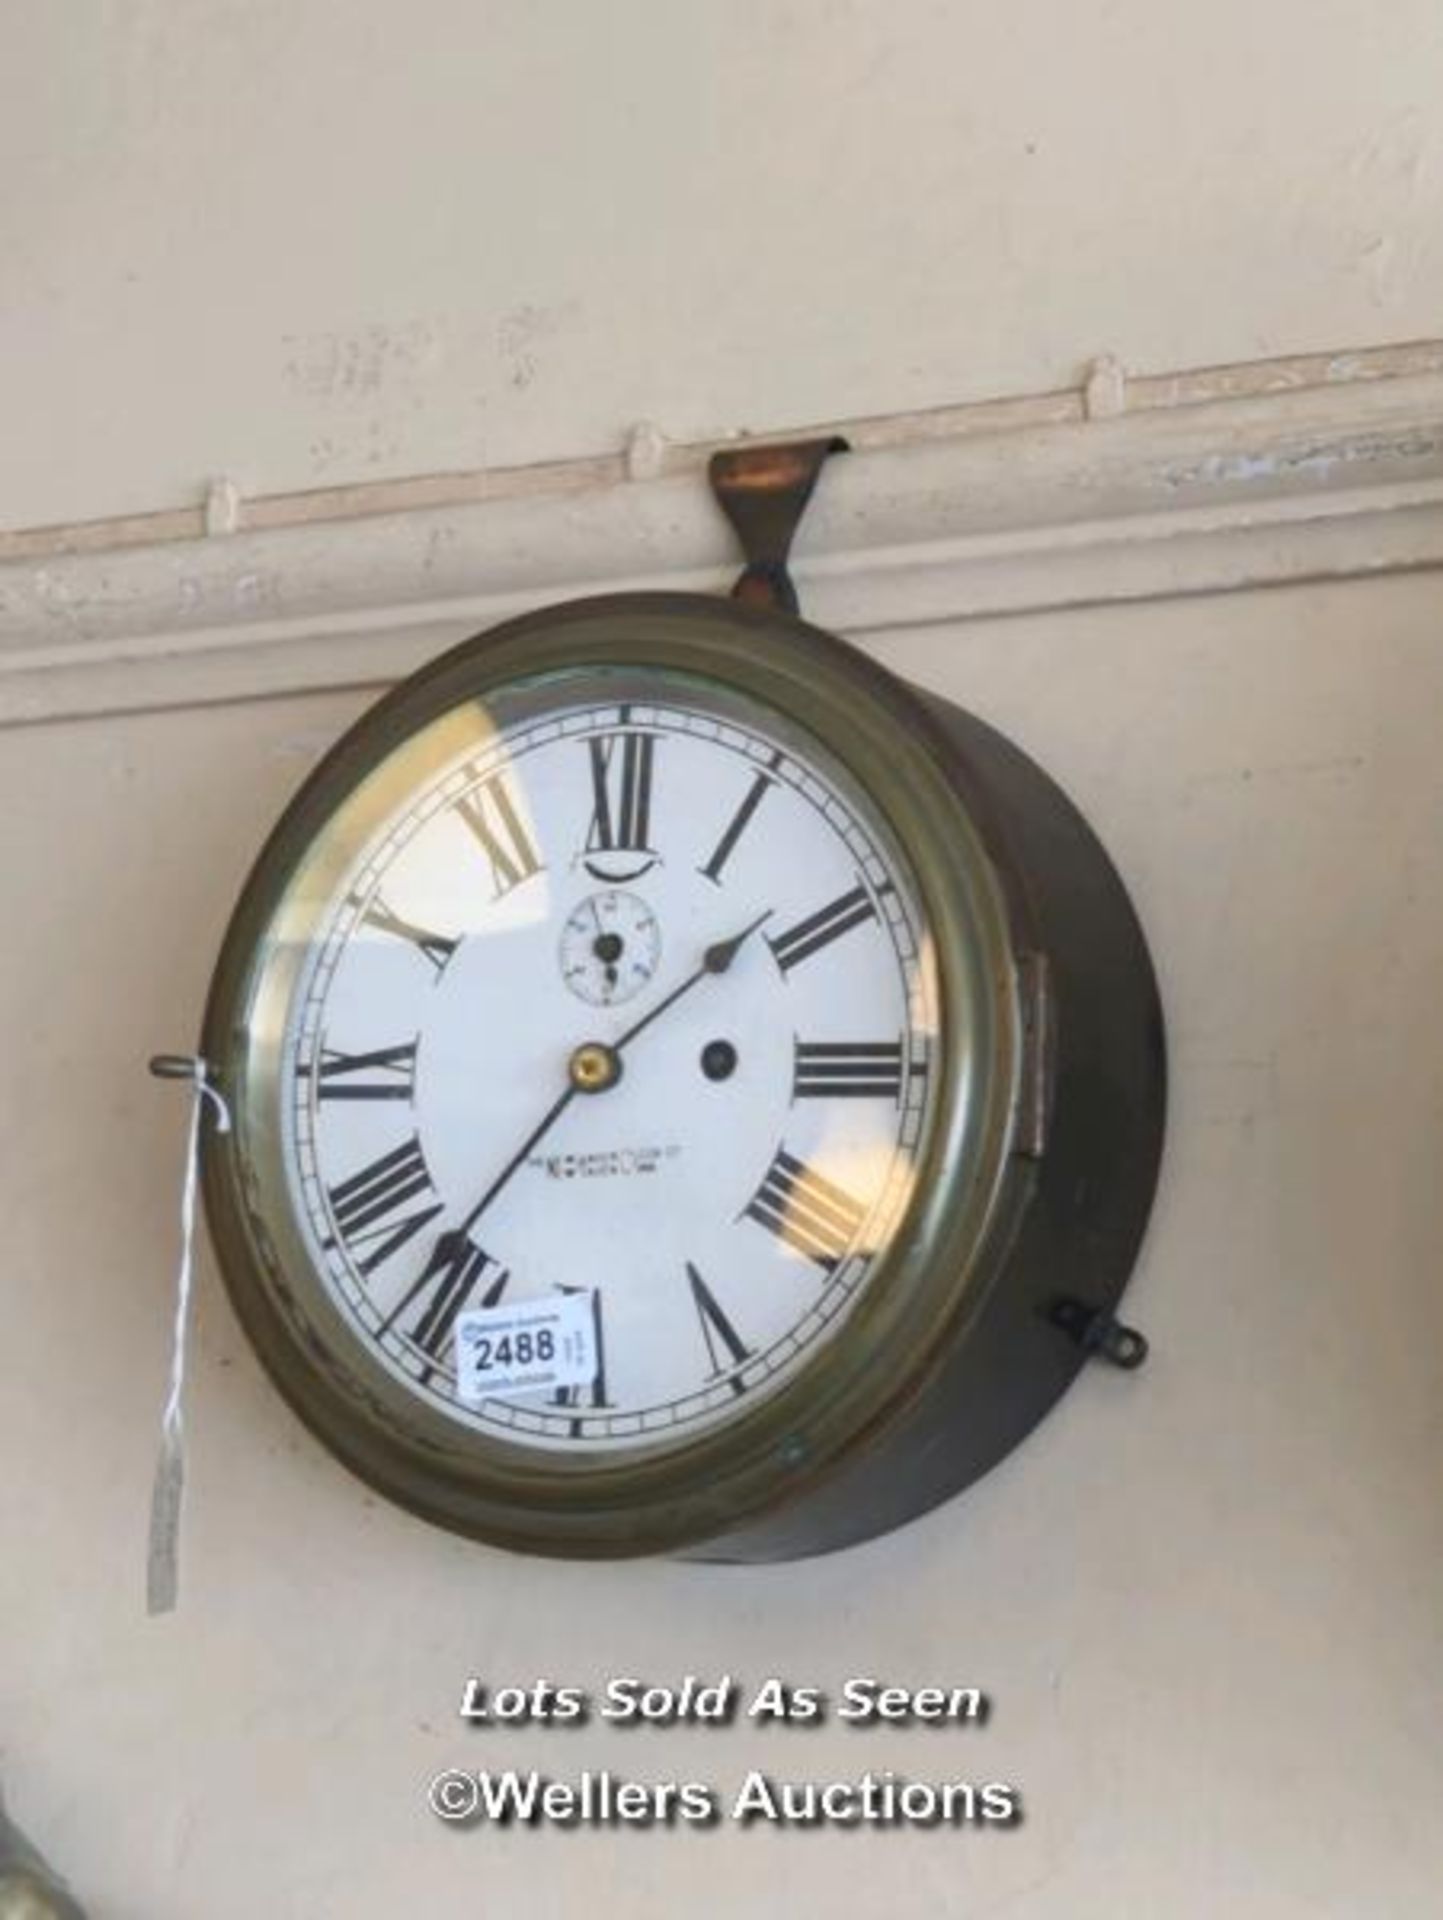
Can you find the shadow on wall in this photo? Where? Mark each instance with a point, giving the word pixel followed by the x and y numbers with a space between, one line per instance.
pixel 29 1890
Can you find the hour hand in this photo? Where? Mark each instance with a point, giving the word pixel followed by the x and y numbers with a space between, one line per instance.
pixel 719 956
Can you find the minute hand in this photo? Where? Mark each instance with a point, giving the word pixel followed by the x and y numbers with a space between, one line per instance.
pixel 716 959
pixel 553 1113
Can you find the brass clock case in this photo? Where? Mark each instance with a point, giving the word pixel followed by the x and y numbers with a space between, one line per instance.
pixel 1033 1180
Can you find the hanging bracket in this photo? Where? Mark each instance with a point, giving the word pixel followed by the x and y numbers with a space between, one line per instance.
pixel 1099 1335
pixel 764 491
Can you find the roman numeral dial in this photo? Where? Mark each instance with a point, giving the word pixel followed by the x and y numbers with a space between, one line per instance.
pixel 726 846
pixel 623 768
pixel 630 1001
pixel 847 1070
pixel 807 1212
pixel 725 1348
pixel 490 811
pixel 820 928
pixel 457 1273
pixel 435 948
pixel 385 1073
pixel 593 1395
pixel 372 1208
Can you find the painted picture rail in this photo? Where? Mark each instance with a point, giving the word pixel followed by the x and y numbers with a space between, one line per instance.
pixel 1327 466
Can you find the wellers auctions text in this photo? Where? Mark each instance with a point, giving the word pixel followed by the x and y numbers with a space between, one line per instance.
pixel 601 1799
pixel 503 1796
pixel 624 1700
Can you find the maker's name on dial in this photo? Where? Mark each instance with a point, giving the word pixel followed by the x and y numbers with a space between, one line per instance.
pixel 604 1165
pixel 626 1700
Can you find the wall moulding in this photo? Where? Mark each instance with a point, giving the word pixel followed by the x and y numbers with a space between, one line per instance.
pixel 1320 467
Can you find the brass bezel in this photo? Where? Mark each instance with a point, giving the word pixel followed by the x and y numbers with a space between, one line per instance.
pixel 949 1245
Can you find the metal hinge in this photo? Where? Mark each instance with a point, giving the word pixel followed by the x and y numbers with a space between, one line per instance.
pixel 1038 1014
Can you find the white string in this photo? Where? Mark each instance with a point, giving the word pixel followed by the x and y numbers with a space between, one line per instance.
pixel 162 1573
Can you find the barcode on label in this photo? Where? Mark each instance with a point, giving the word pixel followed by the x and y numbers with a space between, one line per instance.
pixel 528 1348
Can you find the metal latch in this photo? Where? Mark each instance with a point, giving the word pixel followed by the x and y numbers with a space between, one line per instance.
pixel 1039 1030
pixel 1098 1333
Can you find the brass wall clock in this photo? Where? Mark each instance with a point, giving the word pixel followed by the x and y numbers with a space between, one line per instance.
pixel 692 1091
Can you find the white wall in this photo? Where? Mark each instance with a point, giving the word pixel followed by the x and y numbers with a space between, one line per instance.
pixel 303 241
pixel 306 243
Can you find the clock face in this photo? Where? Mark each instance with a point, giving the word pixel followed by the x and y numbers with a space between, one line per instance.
pixel 607 1062
pixel 690 1090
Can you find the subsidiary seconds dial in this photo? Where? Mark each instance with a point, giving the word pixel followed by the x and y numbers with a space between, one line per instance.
pixel 628 1002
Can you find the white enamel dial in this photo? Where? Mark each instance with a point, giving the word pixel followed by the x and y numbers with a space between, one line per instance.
pixel 696 893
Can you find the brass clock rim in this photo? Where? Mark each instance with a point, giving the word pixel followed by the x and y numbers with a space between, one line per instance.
pixel 944 1257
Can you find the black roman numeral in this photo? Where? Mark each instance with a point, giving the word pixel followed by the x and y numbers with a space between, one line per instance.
pixel 819 929
pixel 490 813
pixel 806 1211
pixel 740 820
pixel 452 1274
pixel 434 946
pixel 621 775
pixel 847 1070
pixel 596 1392
pixel 367 1207
pixel 717 1331
pixel 388 1073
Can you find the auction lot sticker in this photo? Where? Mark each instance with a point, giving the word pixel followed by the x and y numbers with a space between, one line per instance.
pixel 528 1348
